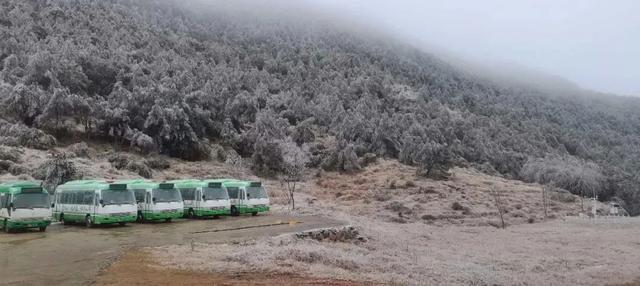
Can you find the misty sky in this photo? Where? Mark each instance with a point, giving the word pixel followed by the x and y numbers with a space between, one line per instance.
pixel 595 44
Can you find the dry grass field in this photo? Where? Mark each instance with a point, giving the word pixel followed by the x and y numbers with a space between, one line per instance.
pixel 415 231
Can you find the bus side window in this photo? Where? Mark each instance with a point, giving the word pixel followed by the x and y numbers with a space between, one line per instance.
pixel 87 198
pixel 139 195
pixel 187 194
pixel 233 192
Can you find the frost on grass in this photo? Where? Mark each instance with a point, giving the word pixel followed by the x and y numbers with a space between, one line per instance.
pixel 415 254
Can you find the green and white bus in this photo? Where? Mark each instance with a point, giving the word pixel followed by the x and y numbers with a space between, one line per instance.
pixel 203 198
pixel 247 197
pixel 156 201
pixel 94 202
pixel 23 205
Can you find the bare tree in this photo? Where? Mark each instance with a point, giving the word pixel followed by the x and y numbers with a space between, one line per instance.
pixel 496 196
pixel 294 160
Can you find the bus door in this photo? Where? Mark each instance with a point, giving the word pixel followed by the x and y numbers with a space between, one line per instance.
pixel 93 207
pixel 148 201
pixel 242 196
pixel 198 198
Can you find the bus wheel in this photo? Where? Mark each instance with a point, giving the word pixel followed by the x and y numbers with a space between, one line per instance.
pixel 254 213
pixel 191 214
pixel 42 228
pixel 167 219
pixel 87 221
pixel 122 223
pixel 234 211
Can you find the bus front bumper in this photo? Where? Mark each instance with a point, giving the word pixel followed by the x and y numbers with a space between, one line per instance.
pixel 101 219
pixel 22 224
pixel 253 209
pixel 162 215
pixel 212 212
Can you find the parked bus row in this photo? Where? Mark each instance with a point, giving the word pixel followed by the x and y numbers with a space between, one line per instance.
pixel 25 204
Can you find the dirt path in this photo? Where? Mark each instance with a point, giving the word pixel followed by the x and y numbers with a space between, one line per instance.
pixel 135 268
pixel 74 255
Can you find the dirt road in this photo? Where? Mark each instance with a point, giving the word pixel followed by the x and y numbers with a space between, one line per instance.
pixel 73 255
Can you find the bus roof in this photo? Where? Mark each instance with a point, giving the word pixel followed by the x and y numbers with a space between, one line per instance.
pixel 187 183
pixel 238 183
pixel 85 185
pixel 19 186
pixel 195 183
pixel 138 183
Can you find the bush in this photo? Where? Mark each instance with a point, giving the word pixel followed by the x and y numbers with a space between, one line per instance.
pixel 428 217
pixel 397 207
pixel 142 143
pixel 17 169
pixel 126 162
pixel 80 150
pixel 456 206
pixel 578 176
pixel 140 168
pixel 367 159
pixel 158 163
pixel 10 154
pixel 119 161
pixel 56 171
pixel 21 135
pixel 382 196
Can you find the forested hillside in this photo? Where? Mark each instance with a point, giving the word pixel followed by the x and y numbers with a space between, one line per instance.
pixel 185 82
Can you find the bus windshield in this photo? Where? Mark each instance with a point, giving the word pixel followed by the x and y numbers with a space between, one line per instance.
pixel 113 197
pixel 215 194
pixel 256 193
pixel 167 195
pixel 30 201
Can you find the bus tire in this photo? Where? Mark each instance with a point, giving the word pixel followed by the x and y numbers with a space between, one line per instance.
pixel 167 219
pixel 88 222
pixel 234 211
pixel 122 223
pixel 191 214
pixel 254 213
pixel 42 228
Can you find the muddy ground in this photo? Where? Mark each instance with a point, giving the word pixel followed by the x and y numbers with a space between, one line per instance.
pixel 74 255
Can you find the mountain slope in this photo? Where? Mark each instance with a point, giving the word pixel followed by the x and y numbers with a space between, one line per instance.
pixel 180 80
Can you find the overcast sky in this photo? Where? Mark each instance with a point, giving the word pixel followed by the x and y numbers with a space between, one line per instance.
pixel 595 44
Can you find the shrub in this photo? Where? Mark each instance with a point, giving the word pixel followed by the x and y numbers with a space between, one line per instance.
pixel 21 135
pixel 368 159
pixel 56 171
pixel 456 206
pixel 126 162
pixel 80 150
pixel 158 163
pixel 10 154
pixel 398 207
pixel 382 196
pixel 428 217
pixel 140 168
